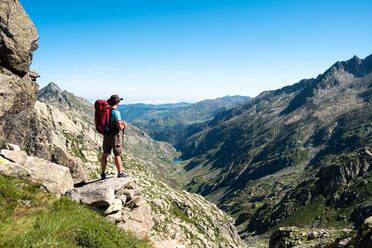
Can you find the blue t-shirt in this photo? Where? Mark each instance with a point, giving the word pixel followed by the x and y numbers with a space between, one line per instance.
pixel 114 117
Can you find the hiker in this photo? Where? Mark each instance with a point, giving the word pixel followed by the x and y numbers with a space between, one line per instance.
pixel 113 140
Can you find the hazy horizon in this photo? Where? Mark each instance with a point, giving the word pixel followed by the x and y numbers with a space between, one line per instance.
pixel 187 51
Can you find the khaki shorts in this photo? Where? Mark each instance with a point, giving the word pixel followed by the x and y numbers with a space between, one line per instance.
pixel 112 142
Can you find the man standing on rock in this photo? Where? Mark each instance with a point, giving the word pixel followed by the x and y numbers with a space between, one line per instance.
pixel 113 141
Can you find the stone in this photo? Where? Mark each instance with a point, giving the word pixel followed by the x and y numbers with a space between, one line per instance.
pixel 137 192
pixel 115 206
pixel 9 168
pixel 25 203
pixel 34 75
pixel 18 38
pixel 312 235
pixel 344 242
pixel 54 177
pixel 129 194
pixel 18 157
pixel 78 172
pixel 96 196
pixel 138 221
pixel 12 147
pixel 172 243
pixel 123 199
pixel 160 203
pixel 115 217
pixel 135 203
pixel 99 193
pixel 368 221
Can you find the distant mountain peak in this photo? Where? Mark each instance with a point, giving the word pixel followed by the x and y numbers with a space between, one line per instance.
pixel 52 94
pixel 52 87
pixel 356 66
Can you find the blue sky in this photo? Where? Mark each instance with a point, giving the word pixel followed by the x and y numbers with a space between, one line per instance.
pixel 188 50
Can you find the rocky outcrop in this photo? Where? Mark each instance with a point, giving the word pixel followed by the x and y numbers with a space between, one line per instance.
pixel 341 181
pixel 294 237
pixel 346 238
pixel 18 38
pixel 120 201
pixel 54 178
pixel 74 142
pixel 18 89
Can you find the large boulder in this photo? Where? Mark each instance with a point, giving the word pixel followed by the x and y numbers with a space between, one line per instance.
pixel 99 193
pixel 138 220
pixel 18 38
pixel 55 178
pixel 78 172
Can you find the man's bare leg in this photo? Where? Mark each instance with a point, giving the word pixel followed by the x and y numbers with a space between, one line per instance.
pixel 119 167
pixel 104 162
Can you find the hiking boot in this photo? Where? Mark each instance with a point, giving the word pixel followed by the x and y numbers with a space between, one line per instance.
pixel 123 174
pixel 104 176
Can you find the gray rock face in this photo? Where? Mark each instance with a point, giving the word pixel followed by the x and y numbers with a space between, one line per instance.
pixel 55 178
pixel 78 172
pixel 18 38
pixel 18 89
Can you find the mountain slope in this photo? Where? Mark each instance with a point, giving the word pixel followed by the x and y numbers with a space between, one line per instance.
pixel 167 122
pixel 250 157
pixel 141 112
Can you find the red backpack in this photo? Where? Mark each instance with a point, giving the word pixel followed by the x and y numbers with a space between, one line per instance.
pixel 102 116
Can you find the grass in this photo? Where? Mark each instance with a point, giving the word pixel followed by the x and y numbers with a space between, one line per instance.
pixel 48 222
pixel 305 215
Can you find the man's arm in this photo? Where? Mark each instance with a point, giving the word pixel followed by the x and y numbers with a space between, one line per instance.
pixel 121 125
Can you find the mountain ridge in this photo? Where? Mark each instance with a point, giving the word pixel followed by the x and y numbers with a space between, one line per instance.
pixel 277 131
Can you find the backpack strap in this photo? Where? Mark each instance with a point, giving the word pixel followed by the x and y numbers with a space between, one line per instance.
pixel 108 117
